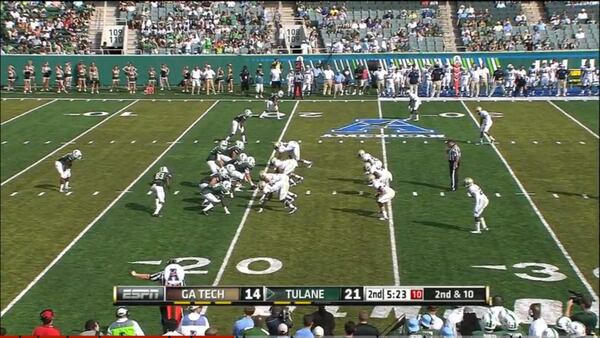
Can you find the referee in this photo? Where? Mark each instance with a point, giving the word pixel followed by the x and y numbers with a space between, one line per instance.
pixel 453 163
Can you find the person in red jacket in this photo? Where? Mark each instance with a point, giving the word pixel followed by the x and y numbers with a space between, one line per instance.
pixel 47 328
pixel 456 77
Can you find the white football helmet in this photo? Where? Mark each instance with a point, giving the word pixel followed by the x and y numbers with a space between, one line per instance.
pixel 262 185
pixel 280 93
pixel 576 329
pixel 550 333
pixel 468 182
pixel 361 153
pixel 77 154
pixel 226 185
pixel 479 108
pixel 163 170
pixel 230 168
pixel 378 164
pixel 277 145
pixel 251 161
pixel 274 161
pixel 488 321
pixel 371 178
pixel 239 144
pixel 366 157
pixel 223 145
pixel 242 157
pixel 563 323
pixel 223 174
pixel 248 112
pixel 510 321
pixel 367 167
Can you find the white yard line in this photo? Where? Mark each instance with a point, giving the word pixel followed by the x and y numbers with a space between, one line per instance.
pixel 573 119
pixel 93 222
pixel 248 209
pixel 391 227
pixel 539 214
pixel 27 112
pixel 67 144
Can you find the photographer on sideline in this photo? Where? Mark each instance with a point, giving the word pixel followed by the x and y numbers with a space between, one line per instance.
pixel 586 316
pixel 278 316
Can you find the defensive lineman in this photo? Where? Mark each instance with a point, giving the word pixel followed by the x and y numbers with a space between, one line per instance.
pixel 63 166
pixel 485 125
pixel 161 180
pixel 413 105
pixel 292 149
pixel 238 123
pixel 481 202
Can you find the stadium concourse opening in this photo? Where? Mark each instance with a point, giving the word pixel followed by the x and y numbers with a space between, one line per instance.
pixel 299 169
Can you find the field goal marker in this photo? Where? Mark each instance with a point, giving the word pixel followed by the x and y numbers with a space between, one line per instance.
pixel 95 220
pixel 539 214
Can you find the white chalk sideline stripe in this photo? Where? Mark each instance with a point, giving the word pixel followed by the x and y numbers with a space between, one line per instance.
pixel 573 119
pixel 539 214
pixel 27 112
pixel 66 144
pixel 91 224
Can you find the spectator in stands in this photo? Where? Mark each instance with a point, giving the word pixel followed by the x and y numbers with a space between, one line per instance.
pixel 306 330
pixel 364 328
pixel 582 16
pixel 47 327
pixel 92 328
pixel 246 321
pixel 124 326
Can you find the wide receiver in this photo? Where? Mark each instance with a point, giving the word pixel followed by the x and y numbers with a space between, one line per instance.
pixel 160 180
pixel 63 166
pixel 481 202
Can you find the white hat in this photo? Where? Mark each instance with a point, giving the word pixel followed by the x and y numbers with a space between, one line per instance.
pixel 282 328
pixel 122 312
pixel 318 331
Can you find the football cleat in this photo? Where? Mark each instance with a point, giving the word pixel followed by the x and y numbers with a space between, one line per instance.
pixel 476 231
pixel 293 210
pixel 310 164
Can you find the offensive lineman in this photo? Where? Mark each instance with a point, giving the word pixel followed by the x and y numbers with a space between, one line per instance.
pixel 161 180
pixel 279 184
pixel 287 167
pixel 63 166
pixel 485 123
pixel 238 123
pixel 292 148
pixel 481 202
pixel 413 105
pixel 385 194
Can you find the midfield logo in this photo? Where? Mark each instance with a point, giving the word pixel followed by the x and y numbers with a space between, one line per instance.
pixel 395 128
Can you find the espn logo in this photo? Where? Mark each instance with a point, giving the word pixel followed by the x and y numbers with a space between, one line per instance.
pixel 144 294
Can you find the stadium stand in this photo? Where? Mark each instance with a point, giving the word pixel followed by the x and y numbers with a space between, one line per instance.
pixel 45 27
pixel 188 27
pixel 502 26
pixel 382 26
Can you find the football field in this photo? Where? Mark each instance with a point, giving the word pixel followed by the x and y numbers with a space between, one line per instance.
pixel 67 251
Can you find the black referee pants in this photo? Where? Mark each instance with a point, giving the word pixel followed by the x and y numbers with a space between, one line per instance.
pixel 453 175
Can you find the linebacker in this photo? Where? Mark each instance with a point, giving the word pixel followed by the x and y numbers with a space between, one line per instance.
pixel 453 163
pixel 63 166
pixel 161 180
pixel 481 202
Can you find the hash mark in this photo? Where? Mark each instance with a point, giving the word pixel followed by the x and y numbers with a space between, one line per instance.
pixel 415 193
pixel 69 193
pixel 154 141
pixel 555 195
pixel 42 193
pixel 95 193
pixel 113 141
pixel 512 142
pixel 132 142
pixel 535 142
pixel 26 142
pixel 90 142
pixel 558 142
pixel 47 142
pixel 334 192
pixel 176 192
pixel 498 194
pixel 14 193
pixel 581 142
pixel 442 194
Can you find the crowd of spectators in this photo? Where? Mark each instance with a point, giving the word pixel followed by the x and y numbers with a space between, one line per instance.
pixel 389 33
pixel 207 27
pixel 480 31
pixel 45 27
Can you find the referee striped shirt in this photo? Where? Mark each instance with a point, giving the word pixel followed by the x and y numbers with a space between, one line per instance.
pixel 454 153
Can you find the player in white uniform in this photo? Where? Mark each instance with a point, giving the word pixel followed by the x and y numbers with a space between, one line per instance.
pixel 383 175
pixel 587 78
pixel 160 180
pixel 385 194
pixel 485 125
pixel 390 90
pixel 287 167
pixel 427 82
pixel 509 80
pixel 447 79
pixel 475 74
pixel 465 79
pixel 553 68
pixel 307 84
pixel 413 105
pixel 532 76
pixel 545 78
pixel 292 149
pixel 368 158
pixel 399 81
pixel 276 184
pixel 481 202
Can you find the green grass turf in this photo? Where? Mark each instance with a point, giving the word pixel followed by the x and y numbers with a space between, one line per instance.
pixel 12 108
pixel 106 167
pixel 586 112
pixel 568 170
pixel 128 233
pixel 49 123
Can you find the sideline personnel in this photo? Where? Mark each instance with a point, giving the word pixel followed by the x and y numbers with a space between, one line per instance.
pixel 454 155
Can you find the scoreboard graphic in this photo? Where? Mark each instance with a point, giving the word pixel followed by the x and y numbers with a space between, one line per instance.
pixel 301 295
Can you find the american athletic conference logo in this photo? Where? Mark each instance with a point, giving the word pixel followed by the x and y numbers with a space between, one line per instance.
pixel 392 128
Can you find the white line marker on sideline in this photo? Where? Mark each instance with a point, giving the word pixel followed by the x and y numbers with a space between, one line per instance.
pixel 47 142
pixel 63 146
pixel 112 141
pixel 392 230
pixel 581 142
pixel 540 216
pixel 69 193
pixel 26 142
pixel 573 119
pixel 176 192
pixel 14 193
pixel 555 195
pixel 154 141
pixel 247 211
pixel 535 142
pixel 442 194
pixel 4 142
pixel 42 193
pixel 498 194
pixel 95 193
pixel 585 196
pixel 27 112
pixel 133 141
pixel 91 224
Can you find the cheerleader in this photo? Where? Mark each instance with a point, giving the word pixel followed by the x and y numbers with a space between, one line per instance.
pixel 60 82
pixel 164 77
pixel 81 77
pixel 116 75
pixel 68 75
pixel 220 79
pixel 95 77
pixel 46 71
pixel 186 79
pixel 230 78
pixel 152 77
pixel 27 79
pixel 12 77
